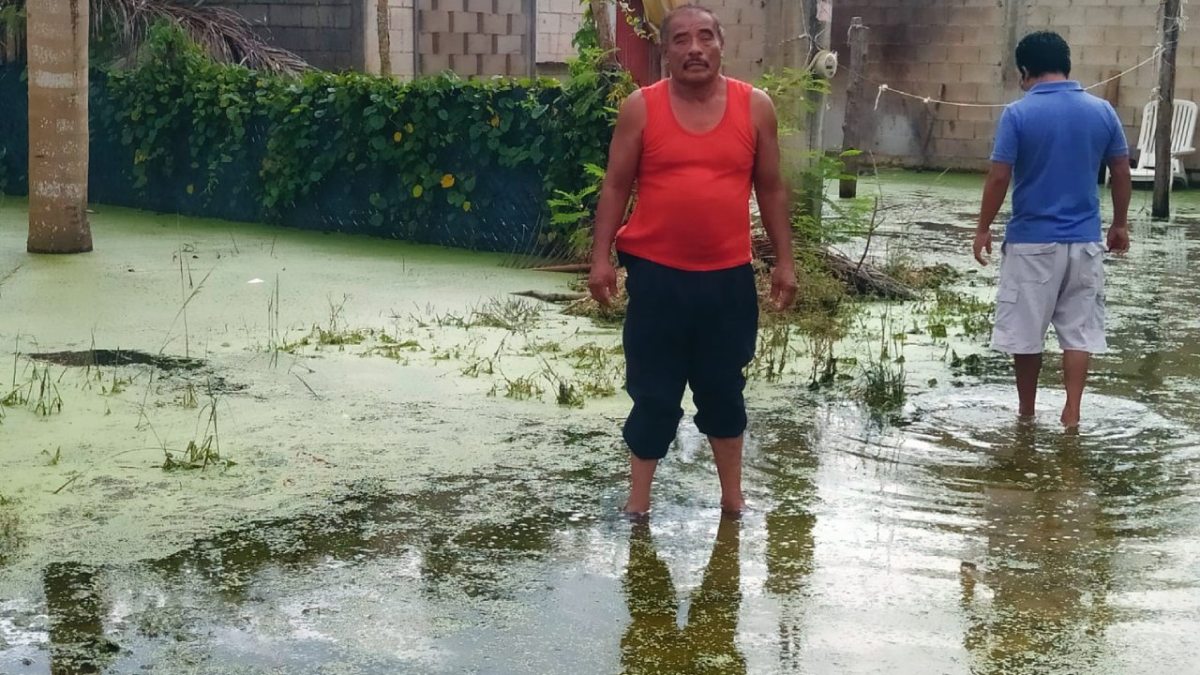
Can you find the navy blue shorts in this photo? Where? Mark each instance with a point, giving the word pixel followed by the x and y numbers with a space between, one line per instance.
pixel 696 329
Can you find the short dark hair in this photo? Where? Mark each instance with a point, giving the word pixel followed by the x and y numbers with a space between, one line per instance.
pixel 665 28
pixel 1044 52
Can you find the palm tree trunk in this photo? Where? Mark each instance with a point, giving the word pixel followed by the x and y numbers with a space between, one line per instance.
pixel 58 126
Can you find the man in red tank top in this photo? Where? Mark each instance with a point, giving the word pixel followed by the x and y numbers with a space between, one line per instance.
pixel 696 144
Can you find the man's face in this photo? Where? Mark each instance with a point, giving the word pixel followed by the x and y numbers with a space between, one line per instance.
pixel 693 48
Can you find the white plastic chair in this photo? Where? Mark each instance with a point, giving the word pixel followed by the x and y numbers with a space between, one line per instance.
pixel 1183 131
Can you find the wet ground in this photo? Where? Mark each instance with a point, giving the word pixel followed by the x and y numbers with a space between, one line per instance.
pixel 393 484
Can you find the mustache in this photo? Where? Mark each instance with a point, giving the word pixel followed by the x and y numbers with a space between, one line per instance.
pixel 698 62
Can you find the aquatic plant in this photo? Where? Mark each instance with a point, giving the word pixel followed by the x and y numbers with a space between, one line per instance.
pixel 206 452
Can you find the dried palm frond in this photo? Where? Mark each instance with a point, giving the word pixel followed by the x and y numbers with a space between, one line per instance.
pixel 221 32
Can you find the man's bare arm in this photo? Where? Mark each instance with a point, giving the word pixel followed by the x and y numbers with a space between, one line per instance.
pixel 995 189
pixel 624 155
pixel 772 194
pixel 1122 191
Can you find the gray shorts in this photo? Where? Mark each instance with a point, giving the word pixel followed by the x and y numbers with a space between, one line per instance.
pixel 1042 284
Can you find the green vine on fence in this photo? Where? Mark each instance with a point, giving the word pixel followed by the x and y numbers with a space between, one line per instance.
pixel 425 147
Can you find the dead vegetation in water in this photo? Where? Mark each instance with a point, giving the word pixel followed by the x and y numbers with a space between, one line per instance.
pixel 11 538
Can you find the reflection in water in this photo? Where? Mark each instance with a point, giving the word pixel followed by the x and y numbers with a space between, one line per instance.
pixel 1049 565
pixel 788 470
pixel 77 643
pixel 654 643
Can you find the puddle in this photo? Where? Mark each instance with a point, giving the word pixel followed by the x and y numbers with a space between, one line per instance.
pixel 113 358
pixel 406 501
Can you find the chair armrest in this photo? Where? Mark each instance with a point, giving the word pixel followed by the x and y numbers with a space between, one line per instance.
pixel 1183 151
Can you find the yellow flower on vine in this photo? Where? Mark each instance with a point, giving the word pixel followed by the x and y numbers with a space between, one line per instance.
pixel 466 206
pixel 409 127
pixel 417 191
pixel 448 181
pixel 495 121
pixel 397 137
pixel 191 189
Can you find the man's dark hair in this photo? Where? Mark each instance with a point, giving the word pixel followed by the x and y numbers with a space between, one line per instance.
pixel 664 30
pixel 1042 53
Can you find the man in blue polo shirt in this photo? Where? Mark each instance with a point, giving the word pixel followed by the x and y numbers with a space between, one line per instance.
pixel 1051 143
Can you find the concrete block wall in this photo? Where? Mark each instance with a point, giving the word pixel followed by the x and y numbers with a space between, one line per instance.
pixel 961 51
pixel 744 23
pixel 557 22
pixel 326 33
pixel 475 37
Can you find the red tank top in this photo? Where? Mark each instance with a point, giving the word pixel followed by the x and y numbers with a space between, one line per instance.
pixel 693 190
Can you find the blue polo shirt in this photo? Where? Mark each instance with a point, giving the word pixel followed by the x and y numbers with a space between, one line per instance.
pixel 1056 138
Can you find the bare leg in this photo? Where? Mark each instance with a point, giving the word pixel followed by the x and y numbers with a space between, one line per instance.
pixel 1028 367
pixel 727 453
pixel 1075 369
pixel 641 477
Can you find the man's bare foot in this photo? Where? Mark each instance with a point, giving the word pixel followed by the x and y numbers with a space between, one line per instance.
pixel 635 511
pixel 733 507
pixel 1070 418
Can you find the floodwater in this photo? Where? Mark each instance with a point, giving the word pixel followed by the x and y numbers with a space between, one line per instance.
pixel 404 500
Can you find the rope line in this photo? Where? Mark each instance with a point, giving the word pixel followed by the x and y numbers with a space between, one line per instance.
pixel 1158 50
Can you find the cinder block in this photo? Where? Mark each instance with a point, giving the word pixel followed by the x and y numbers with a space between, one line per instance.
pixel 962 92
pixel 1122 36
pixel 494 64
pixel 509 44
pixel 466 65
pixel 963 54
pixel 1087 36
pixel 426 43
pixel 479 43
pixel 452 43
pixel 482 6
pixel 1102 57
pixel 400 18
pixel 518 24
pixel 287 16
pixel 917 72
pixel 974 114
pixel 981 73
pixel 452 5
pixel 402 40
pixel 433 64
pixel 311 17
pixel 496 24
pixel 509 7
pixel 465 22
pixel 737 34
pixel 435 21
pixel 1102 16
pixel 932 54
pixel 940 71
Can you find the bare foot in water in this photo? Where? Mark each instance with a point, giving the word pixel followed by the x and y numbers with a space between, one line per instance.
pixel 732 507
pixel 1070 418
pixel 634 511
